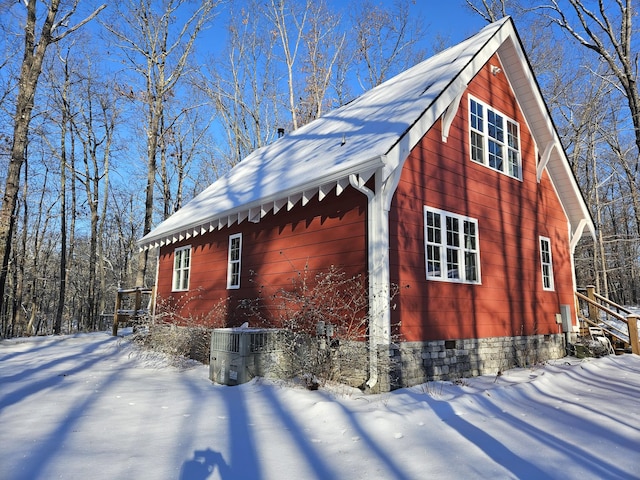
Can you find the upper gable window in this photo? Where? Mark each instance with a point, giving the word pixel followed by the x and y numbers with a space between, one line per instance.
pixel 181 268
pixel 494 139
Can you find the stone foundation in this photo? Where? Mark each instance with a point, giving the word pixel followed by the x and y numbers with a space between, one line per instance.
pixel 413 363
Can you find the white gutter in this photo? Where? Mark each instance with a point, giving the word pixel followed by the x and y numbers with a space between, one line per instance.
pixel 373 350
pixel 378 239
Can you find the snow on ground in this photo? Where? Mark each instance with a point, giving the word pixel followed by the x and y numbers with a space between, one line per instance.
pixel 93 406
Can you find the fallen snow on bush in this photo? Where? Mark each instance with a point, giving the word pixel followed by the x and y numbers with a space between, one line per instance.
pixel 93 406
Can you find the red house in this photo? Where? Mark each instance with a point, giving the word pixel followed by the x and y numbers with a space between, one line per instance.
pixel 449 181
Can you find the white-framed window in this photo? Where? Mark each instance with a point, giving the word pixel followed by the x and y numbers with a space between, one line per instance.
pixel 494 139
pixel 451 247
pixel 235 254
pixel 547 263
pixel 181 268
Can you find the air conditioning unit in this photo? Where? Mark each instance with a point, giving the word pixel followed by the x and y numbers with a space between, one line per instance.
pixel 239 354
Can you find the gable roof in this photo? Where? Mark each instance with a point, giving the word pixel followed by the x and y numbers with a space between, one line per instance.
pixel 376 130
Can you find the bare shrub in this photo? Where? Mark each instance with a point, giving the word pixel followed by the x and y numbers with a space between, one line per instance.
pixel 326 316
pixel 172 333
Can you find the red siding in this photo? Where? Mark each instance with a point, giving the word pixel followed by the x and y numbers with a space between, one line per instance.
pixel 511 216
pixel 274 250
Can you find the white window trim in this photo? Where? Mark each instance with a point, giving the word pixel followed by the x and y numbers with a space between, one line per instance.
pixel 179 271
pixel 231 263
pixel 442 247
pixel 485 139
pixel 551 287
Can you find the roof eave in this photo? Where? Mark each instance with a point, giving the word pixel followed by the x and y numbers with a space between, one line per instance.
pixel 256 210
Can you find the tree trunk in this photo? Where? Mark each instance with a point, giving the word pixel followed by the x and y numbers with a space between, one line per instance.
pixel 34 53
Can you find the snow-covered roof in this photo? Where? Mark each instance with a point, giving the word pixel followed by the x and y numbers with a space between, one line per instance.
pixel 378 129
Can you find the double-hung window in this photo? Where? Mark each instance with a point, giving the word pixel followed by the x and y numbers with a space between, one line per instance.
pixel 235 253
pixel 181 268
pixel 494 139
pixel 451 244
pixel 547 263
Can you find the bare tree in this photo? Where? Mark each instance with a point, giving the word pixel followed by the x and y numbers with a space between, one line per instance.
pixel 490 10
pixel 243 86
pixel 608 32
pixel 290 21
pixel 94 123
pixel 324 42
pixel 158 45
pixel 386 41
pixel 65 121
pixel 54 28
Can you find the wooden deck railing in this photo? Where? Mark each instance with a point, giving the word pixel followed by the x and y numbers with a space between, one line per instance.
pixel 617 321
pixel 135 314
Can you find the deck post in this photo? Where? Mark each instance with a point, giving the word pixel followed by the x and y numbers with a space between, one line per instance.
pixel 114 332
pixel 593 310
pixel 138 302
pixel 632 322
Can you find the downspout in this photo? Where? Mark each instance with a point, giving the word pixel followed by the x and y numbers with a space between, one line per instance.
pixel 373 350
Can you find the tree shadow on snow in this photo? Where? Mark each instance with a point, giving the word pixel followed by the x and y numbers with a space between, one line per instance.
pixel 243 462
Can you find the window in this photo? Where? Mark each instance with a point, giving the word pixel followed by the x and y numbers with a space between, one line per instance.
pixel 494 139
pixel 451 244
pixel 547 263
pixel 181 267
pixel 235 251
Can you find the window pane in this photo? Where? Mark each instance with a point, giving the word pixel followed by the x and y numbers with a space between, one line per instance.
pixel 452 264
pixel 433 260
pixel 433 228
pixel 495 155
pixel 453 236
pixel 471 266
pixel 476 116
pixel 512 135
pixel 469 235
pixel 514 164
pixel 477 147
pixel 495 126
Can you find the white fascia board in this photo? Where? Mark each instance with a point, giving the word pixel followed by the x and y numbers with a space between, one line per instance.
pixel 400 151
pixel 534 109
pixel 256 206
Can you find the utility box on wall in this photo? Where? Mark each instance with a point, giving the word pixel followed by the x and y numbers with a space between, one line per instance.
pixel 567 321
pixel 239 354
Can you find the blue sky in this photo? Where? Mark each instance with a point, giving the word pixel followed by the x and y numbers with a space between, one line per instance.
pixel 450 19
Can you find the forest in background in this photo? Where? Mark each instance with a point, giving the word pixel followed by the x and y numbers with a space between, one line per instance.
pixel 113 116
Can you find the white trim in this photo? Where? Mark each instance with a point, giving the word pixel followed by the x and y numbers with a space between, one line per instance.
pixel 544 263
pixel 484 134
pixel 544 159
pixel 378 270
pixel 450 114
pixel 178 272
pixel 444 247
pixel 232 282
pixel 252 211
pixel 577 235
